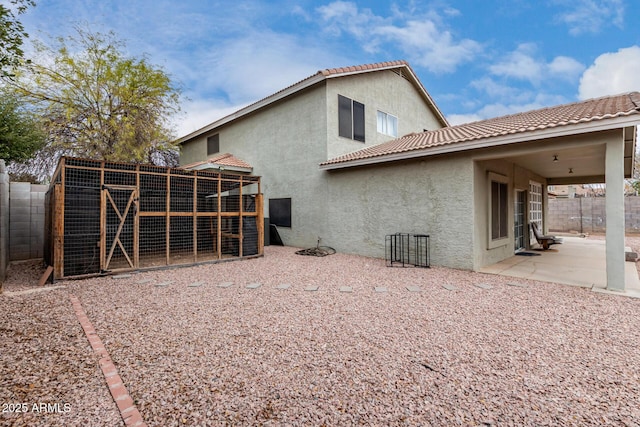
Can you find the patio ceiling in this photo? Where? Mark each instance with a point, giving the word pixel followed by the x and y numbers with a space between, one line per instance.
pixel 577 163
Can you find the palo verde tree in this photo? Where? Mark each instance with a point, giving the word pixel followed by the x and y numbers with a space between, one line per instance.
pixel 98 103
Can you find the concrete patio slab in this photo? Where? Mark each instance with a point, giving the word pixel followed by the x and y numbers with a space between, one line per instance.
pixel 577 262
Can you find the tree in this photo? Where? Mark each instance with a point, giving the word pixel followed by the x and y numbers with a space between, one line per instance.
pixel 12 35
pixel 98 103
pixel 21 134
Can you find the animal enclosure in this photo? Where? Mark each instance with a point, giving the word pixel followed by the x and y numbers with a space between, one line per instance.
pixel 106 217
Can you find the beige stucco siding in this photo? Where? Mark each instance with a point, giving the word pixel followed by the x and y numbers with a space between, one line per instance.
pixel 385 91
pixel 284 144
pixel 518 178
pixel 421 197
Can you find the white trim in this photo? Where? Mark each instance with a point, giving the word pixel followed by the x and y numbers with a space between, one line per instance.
pixel 554 132
pixel 503 241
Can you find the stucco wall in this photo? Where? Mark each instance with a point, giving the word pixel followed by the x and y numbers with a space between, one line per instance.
pixel 429 196
pixel 286 142
pixel 385 91
pixel 518 179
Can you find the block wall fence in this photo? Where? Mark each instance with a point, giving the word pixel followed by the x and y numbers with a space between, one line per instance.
pixel 21 220
pixel 588 215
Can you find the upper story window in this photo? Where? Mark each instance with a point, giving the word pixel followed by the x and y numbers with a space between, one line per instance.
pixel 350 118
pixel 387 124
pixel 213 144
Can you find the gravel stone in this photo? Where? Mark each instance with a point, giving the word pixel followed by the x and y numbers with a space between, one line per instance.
pixel 541 355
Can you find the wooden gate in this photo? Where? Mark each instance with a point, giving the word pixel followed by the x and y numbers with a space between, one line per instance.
pixel 119 242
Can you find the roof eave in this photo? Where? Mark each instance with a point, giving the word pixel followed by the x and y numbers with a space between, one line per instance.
pixel 317 78
pixel 219 168
pixel 554 132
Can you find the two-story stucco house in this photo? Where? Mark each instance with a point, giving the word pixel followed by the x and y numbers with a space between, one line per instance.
pixel 284 137
pixel 354 154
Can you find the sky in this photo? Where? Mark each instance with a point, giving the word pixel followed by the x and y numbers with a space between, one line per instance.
pixel 477 58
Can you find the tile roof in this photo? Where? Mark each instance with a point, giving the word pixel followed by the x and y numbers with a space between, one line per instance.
pixel 319 76
pixel 591 110
pixel 225 159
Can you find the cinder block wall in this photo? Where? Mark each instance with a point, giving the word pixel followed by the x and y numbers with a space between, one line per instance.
pixel 588 215
pixel 26 220
pixel 4 221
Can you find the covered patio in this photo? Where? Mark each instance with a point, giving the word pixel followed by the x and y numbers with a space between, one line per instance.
pixel 577 262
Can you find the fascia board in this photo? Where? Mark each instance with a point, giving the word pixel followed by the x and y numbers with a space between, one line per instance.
pixel 555 132
pixel 254 107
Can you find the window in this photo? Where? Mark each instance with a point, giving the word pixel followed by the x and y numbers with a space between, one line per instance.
pixel 350 118
pixel 280 212
pixel 498 210
pixel 387 124
pixel 213 144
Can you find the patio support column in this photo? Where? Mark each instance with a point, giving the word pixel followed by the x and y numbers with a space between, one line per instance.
pixel 614 179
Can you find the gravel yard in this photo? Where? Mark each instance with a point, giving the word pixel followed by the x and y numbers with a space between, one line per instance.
pixel 539 354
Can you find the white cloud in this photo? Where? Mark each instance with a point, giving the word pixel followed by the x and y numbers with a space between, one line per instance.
pixel 612 73
pixel 458 119
pixel 523 64
pixel 591 16
pixel 565 67
pixel 527 101
pixel 198 114
pixel 422 38
pixel 520 64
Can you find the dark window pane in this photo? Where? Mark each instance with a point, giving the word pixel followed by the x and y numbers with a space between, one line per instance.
pixel 358 121
pixel 503 210
pixel 213 144
pixel 280 212
pixel 495 216
pixel 499 210
pixel 344 117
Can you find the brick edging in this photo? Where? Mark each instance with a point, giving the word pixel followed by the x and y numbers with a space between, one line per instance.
pixel 130 414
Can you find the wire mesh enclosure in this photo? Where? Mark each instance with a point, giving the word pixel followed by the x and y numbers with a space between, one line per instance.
pixel 407 250
pixel 105 217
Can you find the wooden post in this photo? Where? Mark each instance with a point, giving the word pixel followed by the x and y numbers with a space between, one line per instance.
pixel 260 220
pixel 168 217
pixel 103 220
pixel 219 231
pixel 195 216
pixel 136 221
pixel 240 220
pixel 58 231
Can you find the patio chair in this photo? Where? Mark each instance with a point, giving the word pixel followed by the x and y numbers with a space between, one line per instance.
pixel 544 240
